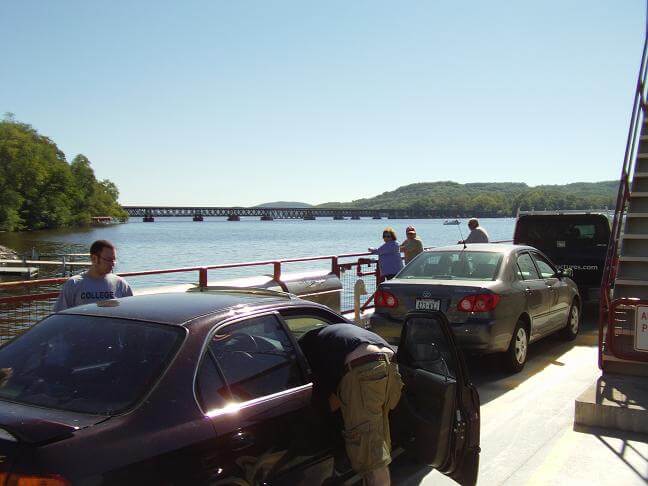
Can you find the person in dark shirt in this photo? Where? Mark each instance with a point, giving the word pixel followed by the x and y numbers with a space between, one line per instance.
pixel 353 369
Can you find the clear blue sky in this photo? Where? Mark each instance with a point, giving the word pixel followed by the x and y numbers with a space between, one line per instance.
pixel 244 102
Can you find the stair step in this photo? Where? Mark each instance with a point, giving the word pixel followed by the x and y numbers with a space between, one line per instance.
pixel 640 175
pixel 642 156
pixel 631 281
pixel 638 259
pixel 631 236
pixel 637 215
pixel 639 194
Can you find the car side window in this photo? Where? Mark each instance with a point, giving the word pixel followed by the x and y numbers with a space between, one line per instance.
pixel 426 347
pixel 546 269
pixel 211 390
pixel 517 272
pixel 527 267
pixel 256 357
pixel 300 321
pixel 300 325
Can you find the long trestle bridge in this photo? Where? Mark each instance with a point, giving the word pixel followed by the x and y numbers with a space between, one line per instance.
pixel 149 213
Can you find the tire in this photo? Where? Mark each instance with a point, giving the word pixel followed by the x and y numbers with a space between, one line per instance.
pixel 515 357
pixel 570 331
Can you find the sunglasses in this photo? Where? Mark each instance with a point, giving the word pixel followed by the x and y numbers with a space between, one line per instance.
pixel 386 235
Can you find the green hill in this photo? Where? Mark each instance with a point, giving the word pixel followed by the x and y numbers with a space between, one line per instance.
pixel 489 198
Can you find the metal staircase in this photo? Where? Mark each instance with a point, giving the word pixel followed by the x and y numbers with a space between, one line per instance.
pixel 632 266
pixel 624 287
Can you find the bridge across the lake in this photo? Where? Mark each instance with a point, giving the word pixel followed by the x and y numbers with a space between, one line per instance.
pixel 149 213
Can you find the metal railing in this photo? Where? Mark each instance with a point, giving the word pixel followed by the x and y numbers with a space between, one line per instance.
pixel 349 273
pixel 607 317
pixel 32 300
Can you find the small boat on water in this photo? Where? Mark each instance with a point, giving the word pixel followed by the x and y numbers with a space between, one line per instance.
pixel 103 220
pixel 449 222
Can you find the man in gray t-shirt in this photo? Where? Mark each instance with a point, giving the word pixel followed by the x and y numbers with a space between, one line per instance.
pixel 98 283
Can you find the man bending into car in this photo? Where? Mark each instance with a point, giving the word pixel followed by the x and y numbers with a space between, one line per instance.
pixel 353 369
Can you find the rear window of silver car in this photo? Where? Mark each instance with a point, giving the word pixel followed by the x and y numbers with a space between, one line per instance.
pixel 454 265
pixel 86 364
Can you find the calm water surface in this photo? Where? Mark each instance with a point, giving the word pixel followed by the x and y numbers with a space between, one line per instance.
pixel 180 242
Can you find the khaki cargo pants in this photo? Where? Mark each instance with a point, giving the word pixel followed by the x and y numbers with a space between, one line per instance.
pixel 367 393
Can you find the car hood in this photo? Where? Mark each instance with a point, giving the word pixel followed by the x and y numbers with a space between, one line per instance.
pixel 35 424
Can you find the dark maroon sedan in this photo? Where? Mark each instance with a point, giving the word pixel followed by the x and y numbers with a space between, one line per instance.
pixel 209 388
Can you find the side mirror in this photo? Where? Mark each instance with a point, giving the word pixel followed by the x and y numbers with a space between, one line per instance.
pixel 566 272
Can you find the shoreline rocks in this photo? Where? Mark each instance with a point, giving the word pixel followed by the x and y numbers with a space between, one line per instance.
pixel 8 253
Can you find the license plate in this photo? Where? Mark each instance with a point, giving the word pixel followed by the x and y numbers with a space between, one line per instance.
pixel 428 304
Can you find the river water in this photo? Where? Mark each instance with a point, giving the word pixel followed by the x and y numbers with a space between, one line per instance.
pixel 181 242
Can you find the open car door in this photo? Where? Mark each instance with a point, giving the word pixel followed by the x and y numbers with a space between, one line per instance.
pixel 439 410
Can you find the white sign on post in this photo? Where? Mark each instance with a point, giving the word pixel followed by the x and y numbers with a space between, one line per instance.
pixel 641 329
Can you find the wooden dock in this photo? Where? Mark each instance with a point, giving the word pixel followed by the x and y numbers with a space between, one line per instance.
pixel 44 262
pixel 21 271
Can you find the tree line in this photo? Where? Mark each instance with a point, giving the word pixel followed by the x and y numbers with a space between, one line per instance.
pixel 39 189
pixel 451 199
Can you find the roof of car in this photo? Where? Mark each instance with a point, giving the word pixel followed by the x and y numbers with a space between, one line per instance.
pixel 494 247
pixel 178 307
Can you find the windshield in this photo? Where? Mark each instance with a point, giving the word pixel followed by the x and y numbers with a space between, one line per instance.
pixel 86 364
pixel 459 265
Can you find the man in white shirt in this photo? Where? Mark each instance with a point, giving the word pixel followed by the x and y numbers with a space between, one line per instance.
pixel 477 233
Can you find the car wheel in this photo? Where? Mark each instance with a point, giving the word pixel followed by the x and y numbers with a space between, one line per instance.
pixel 570 331
pixel 516 356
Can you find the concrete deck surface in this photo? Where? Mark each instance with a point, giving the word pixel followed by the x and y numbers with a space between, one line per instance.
pixel 527 431
pixel 618 402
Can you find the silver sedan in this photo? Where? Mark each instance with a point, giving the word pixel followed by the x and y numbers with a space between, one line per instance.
pixel 498 298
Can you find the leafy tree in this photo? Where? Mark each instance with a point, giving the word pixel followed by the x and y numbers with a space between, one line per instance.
pixel 39 189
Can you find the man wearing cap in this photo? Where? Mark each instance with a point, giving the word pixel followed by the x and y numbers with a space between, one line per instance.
pixel 412 246
pixel 353 369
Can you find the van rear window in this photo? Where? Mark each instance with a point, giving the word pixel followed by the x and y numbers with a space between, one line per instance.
pixel 562 231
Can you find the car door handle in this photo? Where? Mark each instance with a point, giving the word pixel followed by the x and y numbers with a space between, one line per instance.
pixel 241 440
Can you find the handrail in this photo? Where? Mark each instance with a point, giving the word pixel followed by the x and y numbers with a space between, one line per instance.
pixel 19 312
pixel 611 260
pixel 201 268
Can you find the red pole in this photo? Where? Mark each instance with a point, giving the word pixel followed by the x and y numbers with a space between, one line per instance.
pixel 202 277
pixel 335 268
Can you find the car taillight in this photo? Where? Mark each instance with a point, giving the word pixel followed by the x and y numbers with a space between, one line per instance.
pixel 383 298
pixel 16 479
pixel 478 303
